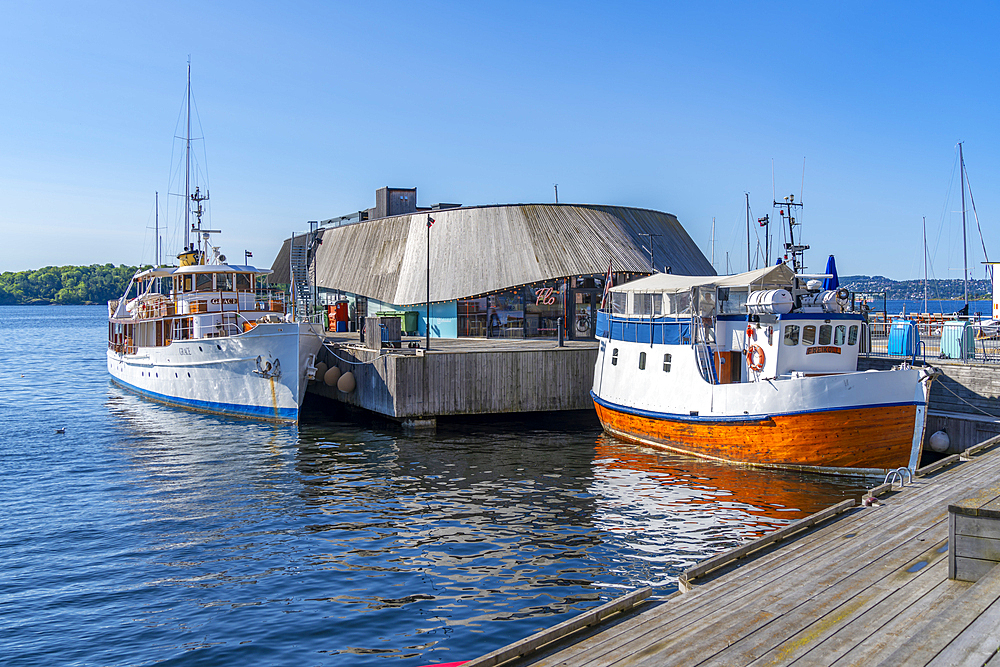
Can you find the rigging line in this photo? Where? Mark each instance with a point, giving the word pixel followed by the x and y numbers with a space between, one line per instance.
pixel 944 208
pixel 989 269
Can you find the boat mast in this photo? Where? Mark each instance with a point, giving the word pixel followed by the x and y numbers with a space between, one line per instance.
pixel 797 252
pixel 747 194
pixel 925 263
pixel 187 167
pixel 156 253
pixel 965 252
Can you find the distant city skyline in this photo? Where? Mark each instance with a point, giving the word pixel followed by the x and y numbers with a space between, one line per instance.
pixel 307 110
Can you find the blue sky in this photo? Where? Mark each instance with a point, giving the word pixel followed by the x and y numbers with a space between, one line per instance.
pixel 308 107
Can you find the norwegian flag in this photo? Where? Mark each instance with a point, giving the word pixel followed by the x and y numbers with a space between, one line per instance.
pixel 430 221
pixel 608 284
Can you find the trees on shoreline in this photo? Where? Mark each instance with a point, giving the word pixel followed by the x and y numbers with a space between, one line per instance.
pixel 97 283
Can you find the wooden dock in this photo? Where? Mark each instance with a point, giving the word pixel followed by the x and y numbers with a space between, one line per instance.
pixel 867 587
pixel 464 376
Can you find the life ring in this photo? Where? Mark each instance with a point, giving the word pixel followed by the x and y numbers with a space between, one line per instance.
pixel 755 358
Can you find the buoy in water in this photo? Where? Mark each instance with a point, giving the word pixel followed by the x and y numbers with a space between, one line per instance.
pixel 331 377
pixel 346 382
pixel 939 441
pixel 320 372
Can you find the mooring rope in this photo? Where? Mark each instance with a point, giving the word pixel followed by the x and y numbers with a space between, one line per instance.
pixel 975 407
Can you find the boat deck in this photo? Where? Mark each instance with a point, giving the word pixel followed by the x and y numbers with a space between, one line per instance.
pixel 870 588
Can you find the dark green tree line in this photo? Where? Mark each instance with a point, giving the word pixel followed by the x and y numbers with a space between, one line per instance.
pixel 97 283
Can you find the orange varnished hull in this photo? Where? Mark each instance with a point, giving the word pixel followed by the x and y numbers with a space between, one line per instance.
pixel 862 438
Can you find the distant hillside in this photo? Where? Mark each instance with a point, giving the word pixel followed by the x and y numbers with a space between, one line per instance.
pixel 97 283
pixel 914 289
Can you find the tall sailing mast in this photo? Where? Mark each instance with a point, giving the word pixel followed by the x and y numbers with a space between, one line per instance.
pixel 965 252
pixel 187 167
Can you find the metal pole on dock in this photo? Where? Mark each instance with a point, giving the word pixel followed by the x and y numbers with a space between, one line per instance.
pixel 427 313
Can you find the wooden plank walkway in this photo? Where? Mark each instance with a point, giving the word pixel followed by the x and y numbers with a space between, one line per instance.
pixel 868 588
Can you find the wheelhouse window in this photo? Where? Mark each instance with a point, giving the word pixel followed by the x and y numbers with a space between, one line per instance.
pixel 839 334
pixel 203 282
pixel 243 282
pixel 852 335
pixel 642 361
pixel 808 335
pixel 825 334
pixel 618 302
pixel 224 282
pixel 792 334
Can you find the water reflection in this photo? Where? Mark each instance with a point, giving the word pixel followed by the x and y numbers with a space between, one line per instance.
pixel 673 511
pixel 338 538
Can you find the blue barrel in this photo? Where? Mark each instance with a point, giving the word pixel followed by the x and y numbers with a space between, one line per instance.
pixel 903 338
pixel 958 340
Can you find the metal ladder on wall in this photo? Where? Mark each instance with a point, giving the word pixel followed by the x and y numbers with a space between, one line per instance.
pixel 298 272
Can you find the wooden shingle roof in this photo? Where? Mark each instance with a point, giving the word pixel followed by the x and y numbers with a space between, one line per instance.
pixel 475 250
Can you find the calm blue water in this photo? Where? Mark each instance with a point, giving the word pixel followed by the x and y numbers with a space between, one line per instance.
pixel 897 306
pixel 147 534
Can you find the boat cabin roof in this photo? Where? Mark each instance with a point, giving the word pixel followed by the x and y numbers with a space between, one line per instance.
pixel 162 271
pixel 771 277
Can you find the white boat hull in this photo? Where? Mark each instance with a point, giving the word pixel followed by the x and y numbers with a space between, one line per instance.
pixel 261 373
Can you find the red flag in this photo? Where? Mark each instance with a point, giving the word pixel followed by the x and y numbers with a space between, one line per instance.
pixel 608 284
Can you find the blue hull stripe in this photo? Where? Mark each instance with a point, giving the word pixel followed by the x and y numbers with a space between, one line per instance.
pixel 228 409
pixel 735 418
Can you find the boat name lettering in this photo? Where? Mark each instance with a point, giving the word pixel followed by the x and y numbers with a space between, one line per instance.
pixel 216 300
pixel 183 351
pixel 820 349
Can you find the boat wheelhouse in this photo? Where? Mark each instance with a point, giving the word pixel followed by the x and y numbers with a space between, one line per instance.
pixel 758 368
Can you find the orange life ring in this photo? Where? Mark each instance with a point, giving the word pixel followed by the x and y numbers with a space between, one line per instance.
pixel 755 358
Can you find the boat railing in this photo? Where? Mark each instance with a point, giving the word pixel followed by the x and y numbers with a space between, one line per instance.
pixel 936 339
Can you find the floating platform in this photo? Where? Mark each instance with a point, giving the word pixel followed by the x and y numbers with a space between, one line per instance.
pixel 869 586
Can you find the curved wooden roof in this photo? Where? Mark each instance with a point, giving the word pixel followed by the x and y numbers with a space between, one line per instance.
pixel 475 250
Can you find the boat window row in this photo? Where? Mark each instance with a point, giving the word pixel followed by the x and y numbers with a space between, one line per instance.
pixel 828 334
pixel 655 304
pixel 213 282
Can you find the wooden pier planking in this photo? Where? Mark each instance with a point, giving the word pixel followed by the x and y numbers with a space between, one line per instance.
pixel 839 594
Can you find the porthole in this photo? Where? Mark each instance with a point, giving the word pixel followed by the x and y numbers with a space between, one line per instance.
pixel 666 363
pixel 642 361
pixel 175 374
pixel 218 346
pixel 199 349
pixel 189 375
pixel 614 357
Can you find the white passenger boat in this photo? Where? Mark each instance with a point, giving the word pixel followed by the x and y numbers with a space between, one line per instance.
pixel 202 336
pixel 205 335
pixel 758 368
